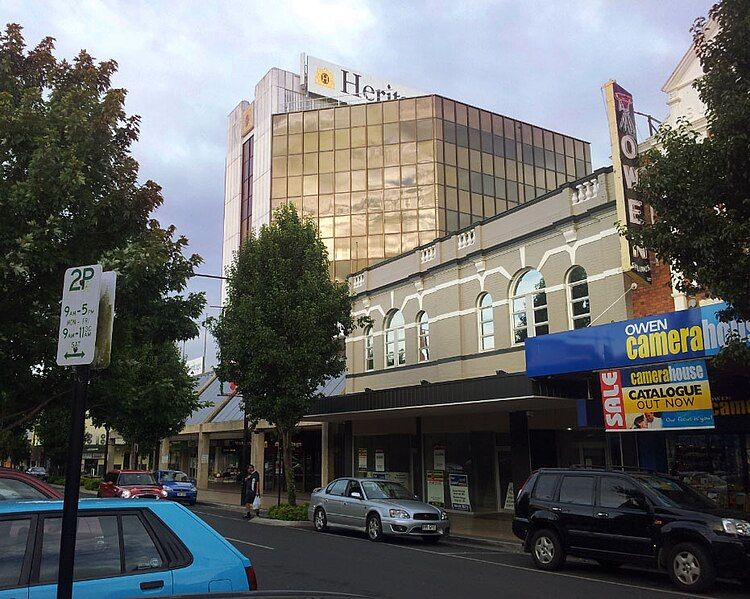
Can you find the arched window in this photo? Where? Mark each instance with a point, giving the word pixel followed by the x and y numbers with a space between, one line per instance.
pixel 369 349
pixel 529 306
pixel 486 322
pixel 578 295
pixel 395 340
pixel 423 336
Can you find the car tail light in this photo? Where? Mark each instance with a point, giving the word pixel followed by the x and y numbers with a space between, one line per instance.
pixel 252 581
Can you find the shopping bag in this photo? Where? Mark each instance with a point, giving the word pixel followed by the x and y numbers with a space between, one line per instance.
pixel 256 502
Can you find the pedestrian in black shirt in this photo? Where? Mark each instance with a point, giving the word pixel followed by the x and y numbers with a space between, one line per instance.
pixel 252 491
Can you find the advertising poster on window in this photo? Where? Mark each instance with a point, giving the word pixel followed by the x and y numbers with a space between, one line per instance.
pixel 673 395
pixel 379 460
pixel 459 488
pixel 510 498
pixel 436 487
pixel 438 457
pixel 362 458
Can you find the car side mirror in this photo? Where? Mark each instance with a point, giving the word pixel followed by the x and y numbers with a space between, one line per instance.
pixel 355 495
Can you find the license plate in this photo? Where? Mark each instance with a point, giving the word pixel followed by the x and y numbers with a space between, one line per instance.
pixel 181 494
pixel 429 527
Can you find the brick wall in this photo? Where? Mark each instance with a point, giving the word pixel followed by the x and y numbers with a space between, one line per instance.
pixel 657 297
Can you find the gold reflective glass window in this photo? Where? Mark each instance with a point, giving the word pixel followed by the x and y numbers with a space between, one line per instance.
pixel 311 142
pixel 424 129
pixel 510 170
pixel 359 137
pixel 462 155
pixel 278 166
pixel 343 203
pixel 325 226
pixel 475 160
pixel 392 199
pixel 375 156
pixel 325 141
pixel 342 181
pixel 329 248
pixel 342 138
pixel 391 156
pixel 359 159
pixel 408 130
pixel 427 219
pixel 375 223
pixel 359 180
pixel 449 153
pixel 451 178
pixel 358 115
pixel 487 164
pixel 473 117
pixel 375 246
pixel 310 206
pixel 451 198
pixel 295 123
pixel 409 241
pixel 390 111
pixel 392 222
pixel 342 226
pixel 424 107
pixel 341 248
pixel 325 205
pixel 310 164
pixel 374 113
pixel 409 199
pixel 391 177
pixel 409 220
pixel 280 124
pixel 325 119
pixel 408 175
pixel 392 245
pixel 342 117
pixel 427 196
pixel 279 146
pixel 390 133
pixel 295 144
pixel 342 160
pixel 294 186
pixel 325 183
pixel 426 174
pixel 359 224
pixel 326 162
pixel 408 153
pixel 375 135
pixel 374 201
pixel 359 203
pixel 499 167
pixel 311 120
pixel 278 187
pixel 294 165
pixel 425 151
pixel 375 178
pixel 408 109
pixel 310 185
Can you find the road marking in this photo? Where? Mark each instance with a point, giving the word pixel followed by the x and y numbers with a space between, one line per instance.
pixel 235 519
pixel 249 543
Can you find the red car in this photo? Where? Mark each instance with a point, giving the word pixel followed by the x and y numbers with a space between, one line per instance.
pixel 18 485
pixel 130 484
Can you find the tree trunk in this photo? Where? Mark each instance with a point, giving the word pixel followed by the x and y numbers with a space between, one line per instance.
pixel 286 444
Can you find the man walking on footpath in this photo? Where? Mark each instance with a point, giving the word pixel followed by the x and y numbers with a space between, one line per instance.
pixel 252 492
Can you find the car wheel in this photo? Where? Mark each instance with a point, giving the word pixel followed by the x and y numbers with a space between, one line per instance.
pixel 431 539
pixel 691 568
pixel 374 528
pixel 609 564
pixel 320 520
pixel 547 550
pixel 99 495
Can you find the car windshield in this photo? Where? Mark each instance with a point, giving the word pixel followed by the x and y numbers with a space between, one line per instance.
pixel 675 493
pixel 174 476
pixel 385 490
pixel 135 478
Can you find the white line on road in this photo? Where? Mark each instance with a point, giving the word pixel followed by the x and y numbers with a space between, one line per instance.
pixel 235 519
pixel 249 543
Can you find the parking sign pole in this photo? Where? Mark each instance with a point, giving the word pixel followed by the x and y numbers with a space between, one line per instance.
pixel 72 485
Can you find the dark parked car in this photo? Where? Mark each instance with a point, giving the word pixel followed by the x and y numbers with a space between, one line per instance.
pixel 633 517
pixel 16 485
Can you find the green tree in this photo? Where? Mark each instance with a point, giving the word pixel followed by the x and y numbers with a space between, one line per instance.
pixel 14 445
pixel 281 332
pixel 69 194
pixel 699 187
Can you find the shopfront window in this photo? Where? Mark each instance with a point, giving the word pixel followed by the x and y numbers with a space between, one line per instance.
pixel 529 306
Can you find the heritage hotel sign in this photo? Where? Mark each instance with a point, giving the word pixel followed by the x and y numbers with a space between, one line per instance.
pixel 348 85
pixel 684 335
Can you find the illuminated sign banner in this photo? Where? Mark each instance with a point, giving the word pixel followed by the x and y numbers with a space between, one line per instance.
pixel 630 207
pixel 659 396
pixel 682 335
pixel 348 85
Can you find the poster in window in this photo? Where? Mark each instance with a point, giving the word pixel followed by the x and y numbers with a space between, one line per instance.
pixel 438 457
pixel 459 488
pixel 379 460
pixel 436 487
pixel 362 458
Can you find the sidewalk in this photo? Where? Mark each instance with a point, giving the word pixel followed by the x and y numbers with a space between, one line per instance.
pixel 488 528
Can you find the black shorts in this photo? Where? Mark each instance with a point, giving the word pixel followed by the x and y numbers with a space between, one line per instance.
pixel 250 496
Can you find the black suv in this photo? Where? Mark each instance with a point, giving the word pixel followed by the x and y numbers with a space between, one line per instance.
pixel 633 517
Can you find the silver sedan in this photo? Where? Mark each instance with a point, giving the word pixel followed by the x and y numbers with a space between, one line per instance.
pixel 378 507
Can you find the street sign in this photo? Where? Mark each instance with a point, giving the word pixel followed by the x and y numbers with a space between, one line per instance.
pixel 105 321
pixel 78 315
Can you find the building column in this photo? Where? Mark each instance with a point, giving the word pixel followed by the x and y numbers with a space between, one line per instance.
pixel 520 449
pixel 110 449
pixel 204 441
pixel 257 456
pixel 326 455
pixel 164 454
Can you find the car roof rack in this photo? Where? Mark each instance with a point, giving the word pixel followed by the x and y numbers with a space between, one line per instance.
pixel 611 468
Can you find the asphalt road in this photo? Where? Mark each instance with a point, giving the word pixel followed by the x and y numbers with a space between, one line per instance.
pixel 293 558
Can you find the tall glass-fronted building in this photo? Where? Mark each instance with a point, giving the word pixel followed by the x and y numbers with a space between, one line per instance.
pixel 381 177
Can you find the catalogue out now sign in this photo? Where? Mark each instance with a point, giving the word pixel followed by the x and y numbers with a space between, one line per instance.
pixel 674 395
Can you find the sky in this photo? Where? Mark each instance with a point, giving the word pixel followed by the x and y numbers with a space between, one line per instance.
pixel 187 64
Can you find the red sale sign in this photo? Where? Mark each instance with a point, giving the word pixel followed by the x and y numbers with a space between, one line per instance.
pixel 612 402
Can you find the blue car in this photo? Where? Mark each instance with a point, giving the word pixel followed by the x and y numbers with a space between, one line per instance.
pixel 123 549
pixel 177 485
